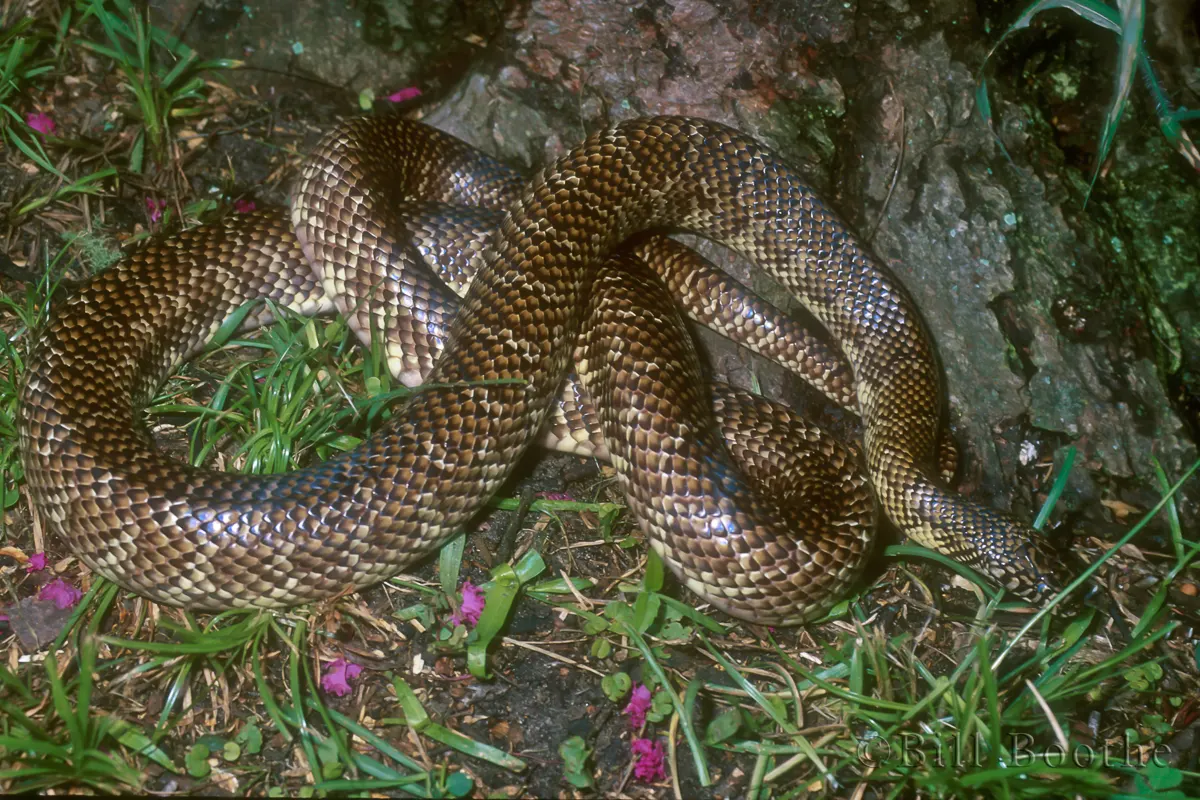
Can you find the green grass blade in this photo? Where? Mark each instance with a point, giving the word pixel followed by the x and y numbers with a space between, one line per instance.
pixel 905 550
pixel 1091 570
pixel 749 688
pixel 1132 22
pixel 450 564
pixel 472 748
pixel 181 65
pixel 1056 490
pixel 264 691
pixel 371 738
pixel 174 694
pixel 652 578
pixel 132 737
pixel 685 716
pixel 1164 485
pixel 414 713
pixel 500 596
pixel 15 684
pixel 24 744
pixel 62 702
pixel 695 616
pixel 1093 11
pixel 359 786
pixel 362 762
pixel 18 716
pixel 313 700
pixel 295 686
pixel 37 156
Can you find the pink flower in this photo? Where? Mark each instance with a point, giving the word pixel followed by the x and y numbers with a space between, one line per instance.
pixel 155 208
pixel 639 704
pixel 554 496
pixel 404 94
pixel 470 607
pixel 36 563
pixel 649 765
pixel 42 123
pixel 338 675
pixel 243 206
pixel 61 593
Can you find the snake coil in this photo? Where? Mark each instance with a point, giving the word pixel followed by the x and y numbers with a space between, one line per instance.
pixel 211 540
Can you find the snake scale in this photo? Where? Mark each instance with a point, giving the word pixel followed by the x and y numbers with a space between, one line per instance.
pixel 544 291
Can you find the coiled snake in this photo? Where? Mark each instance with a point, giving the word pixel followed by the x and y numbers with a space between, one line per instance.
pixel 211 540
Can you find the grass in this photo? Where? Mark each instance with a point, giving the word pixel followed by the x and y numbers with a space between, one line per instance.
pixel 1127 21
pixel 290 402
pixel 67 746
pixel 165 76
pixel 990 716
pixel 25 56
pixel 898 692
pixel 25 314
pixel 22 62
pixel 164 79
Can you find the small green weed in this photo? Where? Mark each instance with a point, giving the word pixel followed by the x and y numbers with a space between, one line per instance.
pixel 23 59
pixel 294 401
pixel 68 746
pixel 165 76
pixel 97 252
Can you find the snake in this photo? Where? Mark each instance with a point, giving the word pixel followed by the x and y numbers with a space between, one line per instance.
pixel 551 287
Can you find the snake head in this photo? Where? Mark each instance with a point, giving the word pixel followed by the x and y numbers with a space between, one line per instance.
pixel 1036 570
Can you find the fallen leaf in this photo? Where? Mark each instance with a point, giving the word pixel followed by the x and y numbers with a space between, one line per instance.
pixel 1133 552
pixel 225 780
pixel 1120 510
pixel 36 622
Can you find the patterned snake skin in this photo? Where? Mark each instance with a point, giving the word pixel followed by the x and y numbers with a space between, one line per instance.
pixel 544 291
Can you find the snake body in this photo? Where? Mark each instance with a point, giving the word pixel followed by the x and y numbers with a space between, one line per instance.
pixel 212 540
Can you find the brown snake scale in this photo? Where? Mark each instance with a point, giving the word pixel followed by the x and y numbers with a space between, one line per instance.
pixel 753 508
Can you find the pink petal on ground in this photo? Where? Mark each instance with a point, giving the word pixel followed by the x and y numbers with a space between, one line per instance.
pixel 470 608
pixel 639 704
pixel 338 675
pixel 42 123
pixel 648 767
pixel 242 206
pixel 404 94
pixel 36 563
pixel 61 593
pixel 155 208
